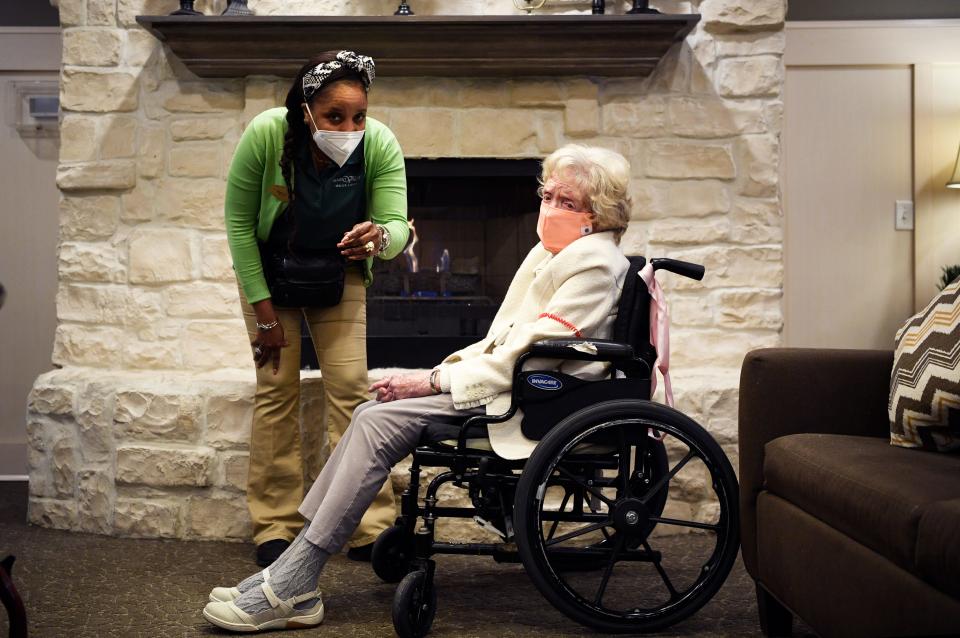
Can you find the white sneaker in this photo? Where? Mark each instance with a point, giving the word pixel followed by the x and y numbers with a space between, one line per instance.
pixel 281 615
pixel 230 594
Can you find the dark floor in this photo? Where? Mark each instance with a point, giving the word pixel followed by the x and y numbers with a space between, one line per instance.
pixel 78 585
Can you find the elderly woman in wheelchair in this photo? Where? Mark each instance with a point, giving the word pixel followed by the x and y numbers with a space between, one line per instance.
pixel 548 424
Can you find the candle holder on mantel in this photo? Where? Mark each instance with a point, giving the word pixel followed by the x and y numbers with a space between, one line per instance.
pixel 186 9
pixel 642 6
pixel 529 6
pixel 404 9
pixel 237 8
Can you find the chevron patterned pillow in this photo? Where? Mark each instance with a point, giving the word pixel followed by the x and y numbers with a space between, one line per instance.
pixel 924 405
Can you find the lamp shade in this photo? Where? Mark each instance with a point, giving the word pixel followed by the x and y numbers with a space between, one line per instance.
pixel 955 177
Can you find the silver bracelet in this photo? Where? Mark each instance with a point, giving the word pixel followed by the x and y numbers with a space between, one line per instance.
pixel 268 326
pixel 384 238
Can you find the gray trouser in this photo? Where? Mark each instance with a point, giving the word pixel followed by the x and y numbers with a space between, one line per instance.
pixel 378 437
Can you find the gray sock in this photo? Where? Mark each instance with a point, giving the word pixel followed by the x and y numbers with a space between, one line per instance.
pixel 254 581
pixel 295 573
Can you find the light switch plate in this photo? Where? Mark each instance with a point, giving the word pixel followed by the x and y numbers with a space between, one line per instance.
pixel 904 215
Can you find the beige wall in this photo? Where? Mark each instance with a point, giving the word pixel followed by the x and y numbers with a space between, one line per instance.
pixel 912 67
pixel 28 241
pixel 937 141
pixel 847 147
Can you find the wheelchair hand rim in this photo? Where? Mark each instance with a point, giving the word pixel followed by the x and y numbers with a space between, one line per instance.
pixel 715 567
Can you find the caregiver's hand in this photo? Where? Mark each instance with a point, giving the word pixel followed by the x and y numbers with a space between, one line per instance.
pixel 361 241
pixel 268 343
pixel 267 346
pixel 403 386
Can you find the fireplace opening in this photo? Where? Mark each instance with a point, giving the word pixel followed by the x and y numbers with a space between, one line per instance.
pixel 474 221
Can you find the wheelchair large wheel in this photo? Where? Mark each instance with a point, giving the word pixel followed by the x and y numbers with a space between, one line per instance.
pixel 666 535
pixel 651 463
pixel 392 554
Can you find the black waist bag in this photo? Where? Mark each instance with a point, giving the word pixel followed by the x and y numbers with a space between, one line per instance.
pixel 303 279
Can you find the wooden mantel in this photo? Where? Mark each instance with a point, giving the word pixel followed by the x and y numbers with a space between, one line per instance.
pixel 449 46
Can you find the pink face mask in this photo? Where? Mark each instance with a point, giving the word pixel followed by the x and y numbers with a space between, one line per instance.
pixel 558 228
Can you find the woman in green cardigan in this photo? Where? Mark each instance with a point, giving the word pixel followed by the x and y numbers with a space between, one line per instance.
pixel 315 177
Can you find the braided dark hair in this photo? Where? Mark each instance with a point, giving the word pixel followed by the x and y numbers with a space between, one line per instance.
pixel 297 131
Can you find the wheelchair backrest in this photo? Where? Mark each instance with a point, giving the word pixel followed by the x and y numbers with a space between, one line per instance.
pixel 633 313
pixel 543 408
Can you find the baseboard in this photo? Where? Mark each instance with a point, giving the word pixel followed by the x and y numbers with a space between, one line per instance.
pixel 13 461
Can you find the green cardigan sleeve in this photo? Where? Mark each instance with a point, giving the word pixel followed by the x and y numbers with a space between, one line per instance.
pixel 387 191
pixel 250 208
pixel 241 211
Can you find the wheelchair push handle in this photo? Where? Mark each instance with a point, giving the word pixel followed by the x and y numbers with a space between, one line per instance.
pixel 682 268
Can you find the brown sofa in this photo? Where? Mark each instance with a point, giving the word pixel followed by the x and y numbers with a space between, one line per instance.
pixel 851 534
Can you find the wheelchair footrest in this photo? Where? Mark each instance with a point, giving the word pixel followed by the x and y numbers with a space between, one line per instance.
pixel 506 534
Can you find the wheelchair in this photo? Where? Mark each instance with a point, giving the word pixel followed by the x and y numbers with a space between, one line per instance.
pixel 614 483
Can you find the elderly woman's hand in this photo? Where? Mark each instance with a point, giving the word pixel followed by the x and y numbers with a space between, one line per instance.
pixel 403 386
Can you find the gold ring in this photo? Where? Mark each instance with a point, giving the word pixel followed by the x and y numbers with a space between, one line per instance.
pixel 369 246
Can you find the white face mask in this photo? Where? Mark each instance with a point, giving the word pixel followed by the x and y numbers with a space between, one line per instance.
pixel 337 145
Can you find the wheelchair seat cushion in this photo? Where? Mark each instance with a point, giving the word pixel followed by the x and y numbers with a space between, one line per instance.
pixel 482 445
pixel 445 432
pixel 445 435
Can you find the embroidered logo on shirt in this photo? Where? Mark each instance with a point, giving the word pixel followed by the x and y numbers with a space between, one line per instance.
pixel 346 181
pixel 544 382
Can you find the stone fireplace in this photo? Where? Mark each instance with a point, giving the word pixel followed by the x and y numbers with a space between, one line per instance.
pixel 142 428
pixel 475 220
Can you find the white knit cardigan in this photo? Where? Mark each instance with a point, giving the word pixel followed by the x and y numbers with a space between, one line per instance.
pixel 571 294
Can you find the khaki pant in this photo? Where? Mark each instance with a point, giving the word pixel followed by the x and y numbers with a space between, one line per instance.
pixel 275 485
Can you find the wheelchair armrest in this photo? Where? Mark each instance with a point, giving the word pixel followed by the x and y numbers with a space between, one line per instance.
pixel 582 350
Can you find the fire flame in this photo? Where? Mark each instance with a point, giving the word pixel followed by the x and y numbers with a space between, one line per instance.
pixel 409 252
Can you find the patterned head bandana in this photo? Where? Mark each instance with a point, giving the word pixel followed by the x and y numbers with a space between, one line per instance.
pixel 347 61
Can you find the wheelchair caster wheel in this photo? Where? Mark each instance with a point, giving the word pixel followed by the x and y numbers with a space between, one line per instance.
pixel 392 554
pixel 414 605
